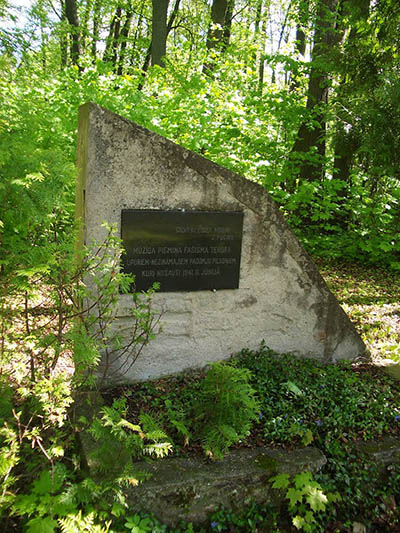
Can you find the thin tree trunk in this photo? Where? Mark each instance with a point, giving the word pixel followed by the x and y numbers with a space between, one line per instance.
pixel 226 34
pixel 71 13
pixel 63 37
pixel 347 139
pixel 116 38
pixel 114 30
pixel 146 62
pixel 138 33
pixel 85 25
pixel 261 68
pixel 313 135
pixel 43 37
pixel 300 49
pixel 257 23
pixel 96 29
pixel 124 40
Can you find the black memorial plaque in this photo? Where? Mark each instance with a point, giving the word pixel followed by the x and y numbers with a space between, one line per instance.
pixel 182 250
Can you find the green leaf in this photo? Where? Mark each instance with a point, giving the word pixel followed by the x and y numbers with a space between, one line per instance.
pixel 303 479
pixel 298 522
pixel 292 387
pixel 280 481
pixel 308 437
pixel 44 484
pixel 334 497
pixel 316 500
pixel 41 525
pixel 294 496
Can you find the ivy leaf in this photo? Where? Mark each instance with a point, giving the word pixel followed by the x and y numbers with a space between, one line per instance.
pixel 280 481
pixel 41 525
pixel 334 497
pixel 292 387
pixel 316 500
pixel 294 496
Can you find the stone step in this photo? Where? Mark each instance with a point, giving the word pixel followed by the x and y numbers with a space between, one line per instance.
pixel 192 488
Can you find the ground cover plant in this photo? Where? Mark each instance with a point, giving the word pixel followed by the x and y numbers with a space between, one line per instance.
pixel 303 402
pixel 370 296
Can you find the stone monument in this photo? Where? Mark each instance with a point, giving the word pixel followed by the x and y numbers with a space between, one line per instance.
pixel 231 272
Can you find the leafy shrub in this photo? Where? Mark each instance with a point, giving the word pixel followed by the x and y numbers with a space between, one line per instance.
pixel 225 408
pixel 50 345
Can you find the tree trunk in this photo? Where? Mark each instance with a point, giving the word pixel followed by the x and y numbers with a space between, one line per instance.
pixel 313 135
pixel 71 12
pixel 85 25
pixel 63 37
pixel 159 32
pixel 113 35
pixel 226 34
pixel 96 29
pixel 146 63
pixel 124 40
pixel 116 38
pixel 347 135
pixel 219 30
pixel 43 37
pixel 138 33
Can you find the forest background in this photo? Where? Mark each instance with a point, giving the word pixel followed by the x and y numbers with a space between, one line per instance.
pixel 302 96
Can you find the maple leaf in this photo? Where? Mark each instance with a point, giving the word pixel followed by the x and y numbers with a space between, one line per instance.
pixel 316 500
pixel 280 481
pixel 303 479
pixel 298 522
pixel 294 496
pixel 41 525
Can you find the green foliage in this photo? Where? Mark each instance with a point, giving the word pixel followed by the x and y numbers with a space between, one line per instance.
pixel 334 405
pixel 76 523
pixel 118 441
pixel 49 351
pixel 246 117
pixel 252 517
pixel 217 409
pixel 336 402
pixel 137 524
pixel 225 408
pixel 306 498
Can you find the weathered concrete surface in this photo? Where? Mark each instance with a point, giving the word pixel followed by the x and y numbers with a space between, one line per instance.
pixel 191 489
pixel 281 299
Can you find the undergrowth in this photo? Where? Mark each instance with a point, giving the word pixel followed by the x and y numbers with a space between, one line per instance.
pixel 300 402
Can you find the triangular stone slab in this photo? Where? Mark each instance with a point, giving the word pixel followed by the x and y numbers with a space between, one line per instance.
pixel 281 299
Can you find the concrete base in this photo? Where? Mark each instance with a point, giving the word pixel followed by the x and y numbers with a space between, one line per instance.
pixel 191 489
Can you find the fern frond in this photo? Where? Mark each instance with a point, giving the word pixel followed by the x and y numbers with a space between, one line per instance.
pixel 159 449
